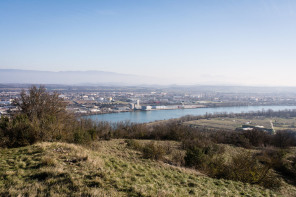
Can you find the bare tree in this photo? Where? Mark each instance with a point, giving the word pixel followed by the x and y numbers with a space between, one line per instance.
pixel 39 103
pixel 46 112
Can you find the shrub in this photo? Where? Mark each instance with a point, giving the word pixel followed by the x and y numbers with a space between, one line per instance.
pixel 167 148
pixel 131 143
pixel 276 158
pixel 107 136
pixel 4 121
pixel 257 137
pixel 284 139
pixel 202 141
pixel 178 158
pixel 215 167
pixel 235 138
pixel 81 137
pixel 152 151
pixel 194 157
pixel 19 131
pixel 92 133
pixel 203 157
pixel 272 157
pixel 245 167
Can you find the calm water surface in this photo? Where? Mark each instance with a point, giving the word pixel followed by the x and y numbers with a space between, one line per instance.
pixel 150 116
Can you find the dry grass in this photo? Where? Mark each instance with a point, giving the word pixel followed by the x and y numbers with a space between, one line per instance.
pixel 106 168
pixel 233 123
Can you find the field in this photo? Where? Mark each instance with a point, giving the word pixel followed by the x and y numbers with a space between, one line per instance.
pixel 109 168
pixel 233 123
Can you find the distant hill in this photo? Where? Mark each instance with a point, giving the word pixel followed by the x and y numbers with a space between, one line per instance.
pixel 92 78
pixel 72 77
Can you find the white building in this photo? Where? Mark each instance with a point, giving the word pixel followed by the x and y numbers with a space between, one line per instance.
pixel 146 108
pixel 138 106
pixel 158 107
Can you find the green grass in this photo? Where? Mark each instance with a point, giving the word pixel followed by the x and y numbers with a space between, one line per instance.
pixel 107 168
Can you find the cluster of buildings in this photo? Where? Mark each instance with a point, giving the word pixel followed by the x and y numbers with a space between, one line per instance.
pixel 6 100
pixel 102 99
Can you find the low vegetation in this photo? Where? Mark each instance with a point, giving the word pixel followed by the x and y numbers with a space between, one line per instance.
pixel 107 168
pixel 38 155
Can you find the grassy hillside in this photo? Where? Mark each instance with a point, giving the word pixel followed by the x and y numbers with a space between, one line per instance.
pixel 107 168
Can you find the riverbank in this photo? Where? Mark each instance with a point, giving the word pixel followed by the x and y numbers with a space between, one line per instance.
pixel 151 116
pixel 168 107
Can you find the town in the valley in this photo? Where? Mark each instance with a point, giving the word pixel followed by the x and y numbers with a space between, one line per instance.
pixel 86 100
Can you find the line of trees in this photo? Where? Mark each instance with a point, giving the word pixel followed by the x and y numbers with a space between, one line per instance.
pixel 248 115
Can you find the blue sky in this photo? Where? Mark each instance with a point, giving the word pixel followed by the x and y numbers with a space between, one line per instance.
pixel 244 42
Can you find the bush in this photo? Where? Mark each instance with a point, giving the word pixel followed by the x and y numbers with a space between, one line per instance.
pixel 131 143
pixel 194 157
pixel 167 148
pixel 18 131
pixel 235 138
pixel 276 158
pixel 205 159
pixel 215 167
pixel 245 167
pixel 257 137
pixel 284 139
pixel 92 134
pixel 81 137
pixel 272 157
pixel 4 121
pixel 152 151
pixel 201 141
pixel 178 158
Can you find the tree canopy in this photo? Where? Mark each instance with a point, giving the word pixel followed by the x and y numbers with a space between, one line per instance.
pixel 40 104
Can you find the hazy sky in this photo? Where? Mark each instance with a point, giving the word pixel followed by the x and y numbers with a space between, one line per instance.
pixel 248 42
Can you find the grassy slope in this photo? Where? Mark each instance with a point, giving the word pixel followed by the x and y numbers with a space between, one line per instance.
pixel 108 168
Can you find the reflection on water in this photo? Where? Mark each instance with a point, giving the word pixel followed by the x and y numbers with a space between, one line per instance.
pixel 150 116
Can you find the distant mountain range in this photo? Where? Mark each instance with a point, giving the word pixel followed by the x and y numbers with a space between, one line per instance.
pixel 73 77
pixel 94 78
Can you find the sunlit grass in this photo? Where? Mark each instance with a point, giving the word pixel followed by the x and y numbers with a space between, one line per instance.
pixel 105 168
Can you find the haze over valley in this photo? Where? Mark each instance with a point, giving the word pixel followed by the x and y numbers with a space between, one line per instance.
pixel 147 98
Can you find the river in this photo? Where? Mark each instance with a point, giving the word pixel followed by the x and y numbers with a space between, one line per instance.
pixel 150 116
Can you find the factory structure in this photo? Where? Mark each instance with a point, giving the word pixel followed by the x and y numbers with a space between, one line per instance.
pixel 137 106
